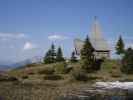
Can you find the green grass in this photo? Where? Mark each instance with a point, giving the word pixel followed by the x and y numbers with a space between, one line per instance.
pixel 108 65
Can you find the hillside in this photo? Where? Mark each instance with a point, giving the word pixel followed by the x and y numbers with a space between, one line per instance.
pixel 110 71
pixel 35 82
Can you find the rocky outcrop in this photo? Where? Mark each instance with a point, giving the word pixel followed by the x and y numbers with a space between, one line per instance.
pixel 117 84
pixel 99 94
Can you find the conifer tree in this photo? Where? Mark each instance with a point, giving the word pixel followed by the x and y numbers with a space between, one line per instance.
pixel 59 56
pixel 127 61
pixel 53 53
pixel 120 46
pixel 73 57
pixel 47 58
pixel 87 50
pixel 87 56
pixel 50 56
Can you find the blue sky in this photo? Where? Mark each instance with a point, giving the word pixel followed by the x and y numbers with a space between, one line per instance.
pixel 28 27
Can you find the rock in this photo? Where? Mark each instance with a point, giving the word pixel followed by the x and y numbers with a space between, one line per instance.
pixel 117 84
pixel 99 94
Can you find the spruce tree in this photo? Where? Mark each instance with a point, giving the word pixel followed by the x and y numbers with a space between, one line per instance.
pixel 73 57
pixel 50 56
pixel 59 56
pixel 127 61
pixel 120 46
pixel 53 53
pixel 47 58
pixel 87 56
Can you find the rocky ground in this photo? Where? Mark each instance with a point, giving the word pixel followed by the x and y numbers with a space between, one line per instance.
pixel 99 94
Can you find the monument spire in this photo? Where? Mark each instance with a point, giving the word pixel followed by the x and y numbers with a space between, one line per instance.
pixel 96 31
pixel 98 42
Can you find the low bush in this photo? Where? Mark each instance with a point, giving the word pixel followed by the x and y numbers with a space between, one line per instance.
pixel 31 73
pixel 47 70
pixel 8 78
pixel 127 62
pixel 24 77
pixel 97 64
pixel 115 73
pixel 69 68
pixel 91 66
pixel 87 66
pixel 62 68
pixel 12 79
pixel 114 67
pixel 127 68
pixel 79 75
pixel 52 77
pixel 92 77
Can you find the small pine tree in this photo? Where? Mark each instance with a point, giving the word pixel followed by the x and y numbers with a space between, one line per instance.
pixel 127 61
pixel 87 50
pixel 59 56
pixel 87 56
pixel 73 57
pixel 53 53
pixel 120 46
pixel 47 58
pixel 50 56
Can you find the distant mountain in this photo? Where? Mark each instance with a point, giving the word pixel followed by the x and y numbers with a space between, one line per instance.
pixel 4 65
pixel 36 59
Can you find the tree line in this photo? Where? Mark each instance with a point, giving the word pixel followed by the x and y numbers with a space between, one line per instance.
pixel 53 55
pixel 126 56
pixel 88 61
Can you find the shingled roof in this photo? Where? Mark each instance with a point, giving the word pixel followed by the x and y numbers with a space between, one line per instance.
pixel 96 39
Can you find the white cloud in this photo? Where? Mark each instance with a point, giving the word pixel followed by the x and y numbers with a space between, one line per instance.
pixel 28 46
pixel 6 36
pixel 57 37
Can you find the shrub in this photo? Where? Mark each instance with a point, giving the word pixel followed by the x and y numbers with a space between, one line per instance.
pixel 30 73
pixel 127 68
pixel 79 75
pixel 25 77
pixel 97 64
pixel 69 68
pixel 91 66
pixel 8 78
pixel 87 66
pixel 115 73
pixel 62 68
pixel 11 78
pixel 114 67
pixel 47 70
pixel 92 77
pixel 52 77
pixel 127 62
